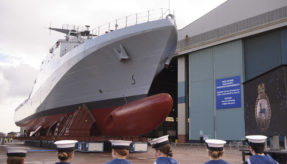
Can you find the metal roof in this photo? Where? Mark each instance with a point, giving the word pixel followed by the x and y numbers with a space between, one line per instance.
pixel 232 20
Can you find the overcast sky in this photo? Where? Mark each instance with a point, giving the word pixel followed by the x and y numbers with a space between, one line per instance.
pixel 25 38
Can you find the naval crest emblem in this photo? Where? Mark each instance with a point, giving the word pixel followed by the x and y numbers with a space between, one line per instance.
pixel 262 108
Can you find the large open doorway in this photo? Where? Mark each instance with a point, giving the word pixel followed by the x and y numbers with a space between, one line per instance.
pixel 166 82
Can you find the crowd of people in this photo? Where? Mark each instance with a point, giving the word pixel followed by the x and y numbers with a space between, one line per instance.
pixel 162 151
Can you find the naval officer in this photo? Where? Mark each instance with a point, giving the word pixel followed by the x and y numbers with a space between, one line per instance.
pixel 257 146
pixel 120 152
pixel 65 151
pixel 163 151
pixel 215 151
pixel 16 155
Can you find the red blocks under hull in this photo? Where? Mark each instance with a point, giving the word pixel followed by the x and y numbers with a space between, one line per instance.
pixel 133 119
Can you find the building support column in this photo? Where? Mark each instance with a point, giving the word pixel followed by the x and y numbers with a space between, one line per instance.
pixel 182 117
pixel 285 142
pixel 274 142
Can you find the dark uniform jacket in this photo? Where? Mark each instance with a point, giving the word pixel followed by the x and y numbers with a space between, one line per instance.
pixel 220 161
pixel 165 160
pixel 62 163
pixel 261 159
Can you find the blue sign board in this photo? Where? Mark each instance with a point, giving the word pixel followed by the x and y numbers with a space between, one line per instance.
pixel 228 93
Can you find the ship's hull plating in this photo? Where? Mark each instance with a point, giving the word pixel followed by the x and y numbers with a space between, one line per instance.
pixel 132 119
pixel 94 74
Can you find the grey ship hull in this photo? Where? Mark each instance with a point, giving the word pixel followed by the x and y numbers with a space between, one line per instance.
pixel 99 75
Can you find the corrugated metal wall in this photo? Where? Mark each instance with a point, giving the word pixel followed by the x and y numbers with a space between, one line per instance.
pixel 264 52
pixel 205 66
pixel 260 56
pixel 200 93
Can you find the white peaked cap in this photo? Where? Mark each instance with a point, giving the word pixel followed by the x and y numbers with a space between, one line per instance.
pixel 17 151
pixel 215 143
pixel 160 140
pixel 121 143
pixel 256 138
pixel 63 144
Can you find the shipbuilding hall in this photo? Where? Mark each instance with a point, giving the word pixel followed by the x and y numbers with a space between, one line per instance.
pixel 232 74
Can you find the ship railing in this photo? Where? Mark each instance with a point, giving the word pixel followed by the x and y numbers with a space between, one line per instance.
pixel 130 20
pixel 73 27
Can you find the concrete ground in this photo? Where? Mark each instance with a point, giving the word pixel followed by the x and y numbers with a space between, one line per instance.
pixel 183 153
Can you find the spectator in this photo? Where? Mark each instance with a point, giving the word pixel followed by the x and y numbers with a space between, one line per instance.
pixel 16 155
pixel 215 151
pixel 163 151
pixel 257 146
pixel 120 152
pixel 65 150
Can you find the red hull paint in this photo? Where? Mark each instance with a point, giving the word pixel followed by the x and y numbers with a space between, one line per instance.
pixel 133 119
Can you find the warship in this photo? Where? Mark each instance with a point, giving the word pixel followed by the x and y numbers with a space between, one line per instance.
pixel 98 82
